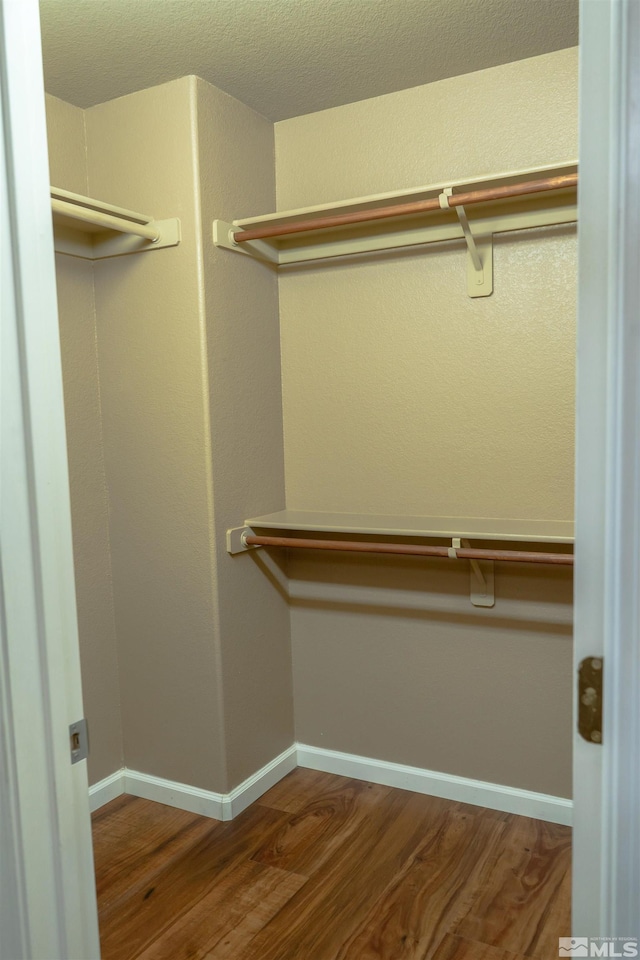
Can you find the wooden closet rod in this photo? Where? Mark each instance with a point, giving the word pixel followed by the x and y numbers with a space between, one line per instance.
pixel 410 549
pixel 562 182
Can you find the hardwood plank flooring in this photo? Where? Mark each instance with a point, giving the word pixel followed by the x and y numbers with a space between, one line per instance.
pixel 226 919
pixel 327 868
pixel 431 890
pixel 524 896
pixel 315 833
pixel 293 794
pixel 455 948
pixel 171 888
pixel 129 841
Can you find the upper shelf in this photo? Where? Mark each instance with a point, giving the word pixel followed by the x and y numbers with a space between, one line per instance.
pixel 472 210
pixel 470 528
pixel 94 230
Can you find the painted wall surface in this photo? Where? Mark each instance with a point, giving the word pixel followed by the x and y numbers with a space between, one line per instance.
pixel 141 152
pixel 243 357
pixel 392 661
pixel 177 359
pixel 89 498
pixel 401 395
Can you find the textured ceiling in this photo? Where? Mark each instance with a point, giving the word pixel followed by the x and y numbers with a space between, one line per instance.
pixel 289 57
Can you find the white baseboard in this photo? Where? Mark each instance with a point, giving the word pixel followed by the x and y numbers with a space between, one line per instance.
pixel 174 794
pixel 253 787
pixel 106 790
pixel 226 806
pixel 219 806
pixel 525 803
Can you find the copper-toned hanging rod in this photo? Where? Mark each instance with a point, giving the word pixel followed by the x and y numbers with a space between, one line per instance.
pixel 410 549
pixel 562 182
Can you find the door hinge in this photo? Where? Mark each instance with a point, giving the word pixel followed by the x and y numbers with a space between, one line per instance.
pixel 590 699
pixel 79 740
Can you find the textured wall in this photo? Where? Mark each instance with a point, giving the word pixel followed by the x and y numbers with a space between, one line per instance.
pixel 89 499
pixel 189 383
pixel 392 661
pixel 243 356
pixel 401 395
pixel 142 155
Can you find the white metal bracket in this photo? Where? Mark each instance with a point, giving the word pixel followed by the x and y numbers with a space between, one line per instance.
pixel 479 251
pixel 481 573
pixel 236 542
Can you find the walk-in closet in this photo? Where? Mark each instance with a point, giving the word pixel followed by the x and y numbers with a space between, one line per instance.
pixel 386 362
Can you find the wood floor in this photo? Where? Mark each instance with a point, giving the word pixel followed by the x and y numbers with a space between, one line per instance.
pixel 327 868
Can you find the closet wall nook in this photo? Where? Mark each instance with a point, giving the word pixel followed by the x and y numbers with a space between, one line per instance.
pixel 322 492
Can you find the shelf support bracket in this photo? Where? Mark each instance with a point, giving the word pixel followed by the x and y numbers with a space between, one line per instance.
pixel 481 572
pixel 479 251
pixel 236 542
pixel 482 592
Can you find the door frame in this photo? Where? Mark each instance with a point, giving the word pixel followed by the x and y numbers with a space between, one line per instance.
pixel 47 885
pixel 606 884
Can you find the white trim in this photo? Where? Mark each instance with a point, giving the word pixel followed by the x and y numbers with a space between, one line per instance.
pixel 253 787
pixel 219 806
pixel 106 790
pixel 620 840
pixel 524 803
pixel 173 794
pixel 47 890
pixel 606 861
pixel 226 806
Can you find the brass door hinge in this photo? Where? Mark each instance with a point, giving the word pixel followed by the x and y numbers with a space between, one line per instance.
pixel 590 699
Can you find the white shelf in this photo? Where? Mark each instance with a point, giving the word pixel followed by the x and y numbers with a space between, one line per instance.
pixel 93 230
pixel 468 528
pixel 484 219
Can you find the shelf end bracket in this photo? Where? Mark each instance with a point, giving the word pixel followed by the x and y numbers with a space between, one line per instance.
pixel 223 236
pixel 236 540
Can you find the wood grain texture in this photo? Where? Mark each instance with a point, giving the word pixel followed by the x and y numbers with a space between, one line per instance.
pixel 131 837
pixel 431 891
pixel 329 868
pixel 299 788
pixel 313 835
pixel 227 918
pixel 524 903
pixel 342 891
pixel 455 948
pixel 172 888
